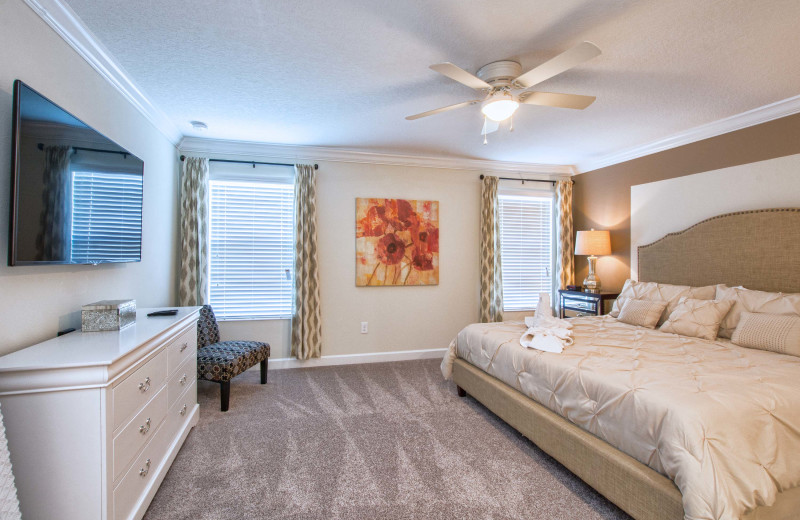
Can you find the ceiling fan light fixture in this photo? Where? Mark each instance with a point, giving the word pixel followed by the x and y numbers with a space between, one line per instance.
pixel 501 107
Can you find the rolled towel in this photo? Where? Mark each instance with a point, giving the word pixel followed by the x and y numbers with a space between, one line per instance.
pixel 544 309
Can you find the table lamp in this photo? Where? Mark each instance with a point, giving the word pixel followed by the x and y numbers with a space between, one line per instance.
pixel 592 243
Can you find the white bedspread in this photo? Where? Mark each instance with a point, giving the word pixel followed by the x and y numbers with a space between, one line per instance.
pixel 721 421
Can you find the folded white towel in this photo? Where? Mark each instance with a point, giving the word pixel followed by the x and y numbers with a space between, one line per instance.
pixel 547 339
pixel 545 331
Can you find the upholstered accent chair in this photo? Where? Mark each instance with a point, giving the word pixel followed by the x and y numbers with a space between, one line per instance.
pixel 220 361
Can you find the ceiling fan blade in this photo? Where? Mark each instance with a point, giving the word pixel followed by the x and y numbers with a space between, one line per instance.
pixel 552 99
pixel 555 66
pixel 462 76
pixel 442 109
pixel 489 126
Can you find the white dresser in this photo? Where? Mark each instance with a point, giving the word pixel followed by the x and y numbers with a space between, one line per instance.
pixel 94 420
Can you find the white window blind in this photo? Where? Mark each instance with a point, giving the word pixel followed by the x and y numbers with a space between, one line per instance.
pixel 526 248
pixel 251 249
pixel 106 217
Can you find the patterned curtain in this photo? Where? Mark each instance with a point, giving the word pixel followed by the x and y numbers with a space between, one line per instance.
pixel 565 252
pixel 194 232
pixel 52 242
pixel 491 274
pixel 306 322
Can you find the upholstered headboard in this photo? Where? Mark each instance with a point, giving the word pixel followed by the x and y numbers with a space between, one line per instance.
pixel 757 249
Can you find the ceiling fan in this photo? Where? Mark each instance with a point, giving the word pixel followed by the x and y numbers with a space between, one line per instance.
pixel 505 88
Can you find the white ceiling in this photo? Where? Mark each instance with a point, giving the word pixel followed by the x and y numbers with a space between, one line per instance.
pixel 345 73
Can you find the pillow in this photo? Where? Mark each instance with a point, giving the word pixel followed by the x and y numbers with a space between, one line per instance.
pixel 644 313
pixel 697 318
pixel 746 300
pixel 660 292
pixel 773 332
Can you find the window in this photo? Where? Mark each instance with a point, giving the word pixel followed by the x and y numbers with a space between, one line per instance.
pixel 251 244
pixel 526 248
pixel 106 217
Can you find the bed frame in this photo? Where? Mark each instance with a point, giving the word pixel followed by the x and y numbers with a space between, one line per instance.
pixel 703 254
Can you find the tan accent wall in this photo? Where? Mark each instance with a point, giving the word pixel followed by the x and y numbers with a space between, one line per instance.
pixel 602 198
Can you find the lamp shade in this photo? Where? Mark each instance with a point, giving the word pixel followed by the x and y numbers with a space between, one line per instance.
pixel 593 243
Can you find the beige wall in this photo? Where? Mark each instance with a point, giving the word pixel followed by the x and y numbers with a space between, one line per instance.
pixel 400 318
pixel 602 197
pixel 36 302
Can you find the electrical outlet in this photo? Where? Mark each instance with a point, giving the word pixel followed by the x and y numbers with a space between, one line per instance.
pixel 364 328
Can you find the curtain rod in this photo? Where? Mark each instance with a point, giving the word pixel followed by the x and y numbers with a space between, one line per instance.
pixel 316 166
pixel 553 183
pixel 40 146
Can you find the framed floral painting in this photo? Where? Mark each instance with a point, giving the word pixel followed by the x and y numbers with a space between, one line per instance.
pixel 397 242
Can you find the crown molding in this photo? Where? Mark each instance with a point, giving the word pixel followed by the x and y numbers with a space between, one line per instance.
pixel 58 15
pixel 296 153
pixel 752 117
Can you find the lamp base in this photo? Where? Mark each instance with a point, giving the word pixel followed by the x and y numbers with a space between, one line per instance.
pixel 592 283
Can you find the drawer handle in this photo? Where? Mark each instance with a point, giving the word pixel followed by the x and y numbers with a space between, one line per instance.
pixel 144 387
pixel 184 346
pixel 143 429
pixel 183 410
pixel 145 470
pixel 182 380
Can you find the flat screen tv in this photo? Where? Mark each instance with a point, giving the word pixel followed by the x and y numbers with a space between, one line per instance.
pixel 76 196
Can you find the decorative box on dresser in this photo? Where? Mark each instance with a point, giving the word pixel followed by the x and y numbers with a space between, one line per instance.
pixel 94 420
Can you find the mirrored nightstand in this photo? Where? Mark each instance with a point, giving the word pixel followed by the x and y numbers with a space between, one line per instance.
pixel 583 303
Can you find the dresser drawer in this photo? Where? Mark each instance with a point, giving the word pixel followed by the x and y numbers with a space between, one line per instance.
pixel 132 393
pixel 138 479
pixel 182 348
pixel 181 379
pixel 178 412
pixel 138 432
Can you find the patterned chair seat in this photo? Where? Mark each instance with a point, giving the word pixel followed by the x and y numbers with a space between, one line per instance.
pixel 222 361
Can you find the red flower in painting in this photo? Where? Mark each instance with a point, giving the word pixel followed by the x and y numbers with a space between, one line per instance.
pixel 400 214
pixel 427 239
pixel 433 240
pixel 374 224
pixel 391 249
pixel 423 262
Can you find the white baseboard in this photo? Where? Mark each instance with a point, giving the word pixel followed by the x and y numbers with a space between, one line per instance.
pixel 355 359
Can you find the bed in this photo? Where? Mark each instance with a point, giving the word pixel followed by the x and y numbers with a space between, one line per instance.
pixel 641 414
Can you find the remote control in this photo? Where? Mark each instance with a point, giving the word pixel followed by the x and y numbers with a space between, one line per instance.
pixel 168 312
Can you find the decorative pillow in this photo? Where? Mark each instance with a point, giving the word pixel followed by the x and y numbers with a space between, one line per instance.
pixel 747 300
pixel 644 313
pixel 660 292
pixel 774 332
pixel 697 318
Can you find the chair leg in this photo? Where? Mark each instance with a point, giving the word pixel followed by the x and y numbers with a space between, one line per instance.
pixel 264 371
pixel 225 395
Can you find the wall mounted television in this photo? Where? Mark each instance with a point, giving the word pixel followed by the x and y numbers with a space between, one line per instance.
pixel 76 196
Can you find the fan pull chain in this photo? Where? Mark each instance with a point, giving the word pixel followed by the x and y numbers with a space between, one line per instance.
pixel 485 141
pixel 511 129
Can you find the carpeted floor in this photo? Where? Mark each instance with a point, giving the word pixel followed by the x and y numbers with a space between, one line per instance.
pixel 388 440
